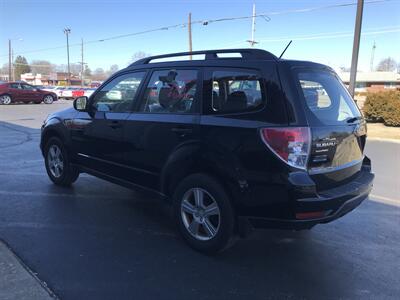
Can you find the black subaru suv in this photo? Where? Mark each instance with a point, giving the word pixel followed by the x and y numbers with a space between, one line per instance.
pixel 233 139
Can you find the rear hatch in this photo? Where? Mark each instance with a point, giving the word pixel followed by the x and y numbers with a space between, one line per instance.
pixel 338 131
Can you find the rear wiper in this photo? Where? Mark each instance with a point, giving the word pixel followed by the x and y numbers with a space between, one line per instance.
pixel 352 120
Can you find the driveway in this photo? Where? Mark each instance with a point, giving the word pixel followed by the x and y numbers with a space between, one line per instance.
pixel 101 241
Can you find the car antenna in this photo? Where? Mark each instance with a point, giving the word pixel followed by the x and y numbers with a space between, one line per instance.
pixel 285 49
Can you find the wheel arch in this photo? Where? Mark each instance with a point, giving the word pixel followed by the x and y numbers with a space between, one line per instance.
pixel 195 158
pixel 53 128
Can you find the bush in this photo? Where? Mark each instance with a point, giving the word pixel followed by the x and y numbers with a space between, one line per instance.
pixel 383 107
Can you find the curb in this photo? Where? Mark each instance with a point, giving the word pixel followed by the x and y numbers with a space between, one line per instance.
pixel 30 272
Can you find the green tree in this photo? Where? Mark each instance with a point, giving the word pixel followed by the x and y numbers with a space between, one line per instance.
pixel 21 66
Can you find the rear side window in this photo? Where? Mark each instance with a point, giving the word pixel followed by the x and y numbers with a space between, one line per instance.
pixel 171 91
pixel 327 101
pixel 236 91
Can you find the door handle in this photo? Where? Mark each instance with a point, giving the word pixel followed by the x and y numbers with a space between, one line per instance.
pixel 182 130
pixel 115 125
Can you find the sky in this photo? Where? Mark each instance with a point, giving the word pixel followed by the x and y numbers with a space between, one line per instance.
pixel 323 35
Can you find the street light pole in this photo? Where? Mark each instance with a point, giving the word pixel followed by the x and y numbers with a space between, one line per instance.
pixel 356 47
pixel 67 31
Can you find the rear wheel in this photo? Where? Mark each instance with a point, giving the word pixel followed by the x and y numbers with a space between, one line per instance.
pixel 204 214
pixel 58 166
pixel 48 99
pixel 5 99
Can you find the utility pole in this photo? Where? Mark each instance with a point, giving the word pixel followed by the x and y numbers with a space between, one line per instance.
pixel 67 31
pixel 9 60
pixel 13 67
pixel 82 63
pixel 253 27
pixel 190 35
pixel 356 47
pixel 371 66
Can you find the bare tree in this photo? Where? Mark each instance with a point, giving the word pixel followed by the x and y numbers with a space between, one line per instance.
pixel 43 67
pixel 112 70
pixel 387 64
pixel 139 55
pixel 99 74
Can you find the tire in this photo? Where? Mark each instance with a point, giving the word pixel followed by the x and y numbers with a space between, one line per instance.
pixel 194 222
pixel 5 99
pixel 57 163
pixel 48 99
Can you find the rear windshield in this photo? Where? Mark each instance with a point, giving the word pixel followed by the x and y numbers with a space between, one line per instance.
pixel 327 99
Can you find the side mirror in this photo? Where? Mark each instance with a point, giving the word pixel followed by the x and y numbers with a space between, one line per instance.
pixel 81 103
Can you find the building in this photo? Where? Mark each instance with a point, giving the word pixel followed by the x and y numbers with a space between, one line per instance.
pixel 373 81
pixel 37 79
pixel 3 77
pixel 61 78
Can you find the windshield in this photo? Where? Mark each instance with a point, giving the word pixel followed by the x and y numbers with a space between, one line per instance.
pixel 327 99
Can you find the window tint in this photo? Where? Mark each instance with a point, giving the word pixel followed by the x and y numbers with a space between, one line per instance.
pixel 236 91
pixel 27 87
pixel 15 85
pixel 171 91
pixel 326 98
pixel 118 95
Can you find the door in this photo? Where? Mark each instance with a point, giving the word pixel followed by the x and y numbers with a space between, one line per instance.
pixel 337 127
pixel 166 118
pixel 97 135
pixel 29 93
pixel 15 90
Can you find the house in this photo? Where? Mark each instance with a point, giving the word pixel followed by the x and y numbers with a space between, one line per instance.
pixel 373 81
pixel 61 78
pixel 37 79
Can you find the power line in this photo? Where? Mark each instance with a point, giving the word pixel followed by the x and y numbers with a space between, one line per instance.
pixel 265 16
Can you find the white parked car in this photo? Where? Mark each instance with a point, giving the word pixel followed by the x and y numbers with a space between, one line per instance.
pixel 88 92
pixel 67 93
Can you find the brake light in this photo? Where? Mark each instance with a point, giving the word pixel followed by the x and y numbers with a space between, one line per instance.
pixel 290 144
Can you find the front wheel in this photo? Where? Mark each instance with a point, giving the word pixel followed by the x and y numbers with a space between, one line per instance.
pixel 48 99
pixel 204 214
pixel 58 166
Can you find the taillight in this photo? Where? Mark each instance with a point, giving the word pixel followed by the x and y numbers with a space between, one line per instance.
pixel 291 144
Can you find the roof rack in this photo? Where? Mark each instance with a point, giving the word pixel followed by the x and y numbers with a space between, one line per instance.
pixel 213 54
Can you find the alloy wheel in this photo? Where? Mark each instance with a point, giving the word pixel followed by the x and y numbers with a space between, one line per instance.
pixel 48 99
pixel 200 214
pixel 5 99
pixel 55 161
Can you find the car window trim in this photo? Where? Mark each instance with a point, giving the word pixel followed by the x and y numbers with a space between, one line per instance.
pixel 208 71
pixel 134 100
pixel 199 90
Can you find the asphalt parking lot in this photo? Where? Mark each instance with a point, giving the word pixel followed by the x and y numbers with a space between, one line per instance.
pixel 97 240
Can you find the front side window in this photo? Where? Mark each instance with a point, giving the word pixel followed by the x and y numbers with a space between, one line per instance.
pixel 119 94
pixel 236 91
pixel 171 91
pixel 326 99
pixel 15 85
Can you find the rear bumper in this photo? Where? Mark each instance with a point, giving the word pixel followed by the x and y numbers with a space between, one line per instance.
pixel 329 205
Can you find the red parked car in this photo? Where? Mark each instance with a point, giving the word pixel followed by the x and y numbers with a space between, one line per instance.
pixel 23 92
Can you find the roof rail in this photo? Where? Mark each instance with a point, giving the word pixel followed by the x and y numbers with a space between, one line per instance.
pixel 213 54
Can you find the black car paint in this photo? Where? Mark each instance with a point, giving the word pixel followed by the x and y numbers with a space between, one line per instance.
pixel 153 152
